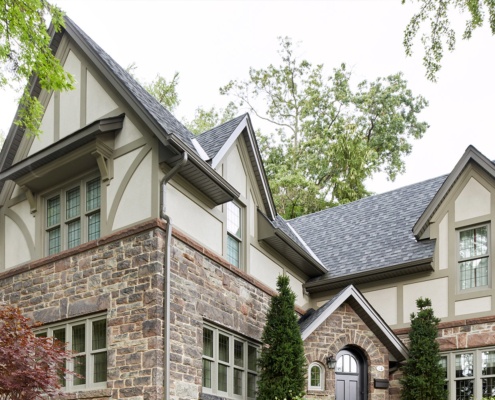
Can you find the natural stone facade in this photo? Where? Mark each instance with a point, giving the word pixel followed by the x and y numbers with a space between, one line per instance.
pixel 345 328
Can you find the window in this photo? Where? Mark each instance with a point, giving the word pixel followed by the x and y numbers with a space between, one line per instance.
pixel 473 257
pixel 234 234
pixel 229 364
pixel 316 377
pixel 73 216
pixel 87 340
pixel 472 372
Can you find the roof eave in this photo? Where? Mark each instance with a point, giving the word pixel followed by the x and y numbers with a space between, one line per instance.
pixel 329 283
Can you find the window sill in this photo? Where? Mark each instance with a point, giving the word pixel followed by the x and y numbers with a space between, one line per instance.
pixel 89 394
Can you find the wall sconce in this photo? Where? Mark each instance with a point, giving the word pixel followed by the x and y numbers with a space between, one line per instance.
pixel 331 361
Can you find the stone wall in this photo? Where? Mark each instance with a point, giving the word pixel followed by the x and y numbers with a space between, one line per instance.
pixel 120 276
pixel 345 328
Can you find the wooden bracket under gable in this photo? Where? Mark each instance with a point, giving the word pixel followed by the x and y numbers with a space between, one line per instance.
pixel 31 198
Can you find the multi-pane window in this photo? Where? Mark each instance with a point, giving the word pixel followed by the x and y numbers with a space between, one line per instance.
pixel 473 257
pixel 234 236
pixel 73 216
pixel 315 377
pixel 472 372
pixel 229 364
pixel 87 340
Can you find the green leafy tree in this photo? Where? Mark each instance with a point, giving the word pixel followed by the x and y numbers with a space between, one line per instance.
pixel 436 15
pixel 163 90
pixel 328 137
pixel 25 51
pixel 282 362
pixel 424 377
pixel 205 120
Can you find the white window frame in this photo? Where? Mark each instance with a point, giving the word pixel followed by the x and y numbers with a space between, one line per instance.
pixel 230 364
pixel 236 236
pixel 477 374
pixel 70 386
pixel 321 371
pixel 461 260
pixel 64 221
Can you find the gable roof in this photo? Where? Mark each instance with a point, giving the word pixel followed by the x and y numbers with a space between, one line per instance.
pixel 371 238
pixel 471 155
pixel 365 311
pixel 170 132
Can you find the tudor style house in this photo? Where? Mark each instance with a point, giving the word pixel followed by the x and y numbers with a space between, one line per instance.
pixel 154 253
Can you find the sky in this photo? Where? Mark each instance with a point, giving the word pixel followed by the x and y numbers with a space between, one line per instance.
pixel 212 42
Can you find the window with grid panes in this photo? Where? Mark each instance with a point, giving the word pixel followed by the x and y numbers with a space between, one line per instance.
pixel 470 374
pixel 87 340
pixel 234 237
pixel 73 215
pixel 473 257
pixel 229 364
pixel 315 377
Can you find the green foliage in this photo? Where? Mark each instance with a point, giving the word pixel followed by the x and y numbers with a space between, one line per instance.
pixel 25 51
pixel 205 120
pixel 329 138
pixel 424 377
pixel 282 362
pixel 437 14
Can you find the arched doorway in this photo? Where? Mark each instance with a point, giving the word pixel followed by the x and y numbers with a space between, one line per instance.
pixel 351 375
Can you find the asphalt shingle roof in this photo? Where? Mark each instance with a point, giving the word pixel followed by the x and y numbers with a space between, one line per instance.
pixel 213 140
pixel 371 233
pixel 162 116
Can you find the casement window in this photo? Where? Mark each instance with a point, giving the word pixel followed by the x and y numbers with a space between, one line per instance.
pixel 470 374
pixel 234 236
pixel 473 257
pixel 73 215
pixel 87 341
pixel 229 364
pixel 316 377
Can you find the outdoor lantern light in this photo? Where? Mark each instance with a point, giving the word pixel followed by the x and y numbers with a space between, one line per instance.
pixel 331 361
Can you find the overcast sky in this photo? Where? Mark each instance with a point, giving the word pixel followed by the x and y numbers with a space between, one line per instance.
pixel 212 42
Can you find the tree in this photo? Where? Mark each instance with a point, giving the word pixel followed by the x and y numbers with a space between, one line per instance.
pixel 30 366
pixel 205 120
pixel 160 88
pixel 437 14
pixel 424 377
pixel 282 361
pixel 25 51
pixel 328 138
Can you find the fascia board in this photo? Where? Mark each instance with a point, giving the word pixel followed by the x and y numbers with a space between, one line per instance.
pixel 228 144
pixel 200 150
pixel 470 155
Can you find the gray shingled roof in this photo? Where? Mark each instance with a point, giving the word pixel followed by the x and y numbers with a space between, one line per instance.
pixel 161 115
pixel 213 140
pixel 371 233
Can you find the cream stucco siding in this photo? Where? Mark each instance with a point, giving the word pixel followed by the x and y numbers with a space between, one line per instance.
pixel 436 290
pixel 99 102
pixel 384 301
pixel 236 174
pixel 191 218
pixel 297 287
pixel 70 101
pixel 47 127
pixel 480 304
pixel 128 134
pixel 264 269
pixel 252 215
pixel 16 247
pixel 472 202
pixel 135 203
pixel 443 243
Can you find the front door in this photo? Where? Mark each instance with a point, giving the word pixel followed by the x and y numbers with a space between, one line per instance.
pixel 350 372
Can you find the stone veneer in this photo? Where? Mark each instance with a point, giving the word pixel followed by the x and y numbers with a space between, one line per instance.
pixel 345 328
pixel 122 276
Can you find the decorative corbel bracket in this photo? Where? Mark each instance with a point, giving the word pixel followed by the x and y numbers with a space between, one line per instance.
pixel 31 198
pixel 103 165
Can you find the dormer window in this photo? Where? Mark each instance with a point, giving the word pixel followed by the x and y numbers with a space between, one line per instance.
pixel 73 215
pixel 473 257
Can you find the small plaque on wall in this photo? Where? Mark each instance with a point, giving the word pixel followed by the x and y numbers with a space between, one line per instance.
pixel 381 383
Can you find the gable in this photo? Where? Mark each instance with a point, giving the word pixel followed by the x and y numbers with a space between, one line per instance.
pixel 353 297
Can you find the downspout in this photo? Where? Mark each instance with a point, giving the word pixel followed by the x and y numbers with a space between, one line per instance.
pixel 166 275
